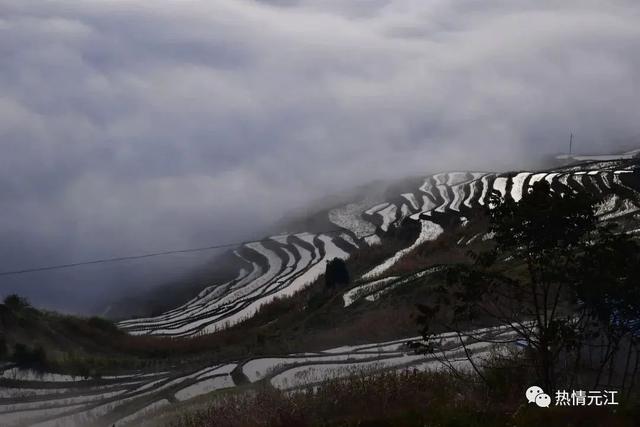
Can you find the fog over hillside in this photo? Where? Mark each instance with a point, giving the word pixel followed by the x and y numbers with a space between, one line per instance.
pixel 129 127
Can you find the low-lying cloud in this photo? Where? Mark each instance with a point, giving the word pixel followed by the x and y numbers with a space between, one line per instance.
pixel 132 126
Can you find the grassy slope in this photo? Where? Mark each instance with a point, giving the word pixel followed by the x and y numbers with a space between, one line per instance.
pixel 392 399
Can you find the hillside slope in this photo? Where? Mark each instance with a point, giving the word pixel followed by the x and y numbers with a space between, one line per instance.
pixel 276 324
pixel 283 265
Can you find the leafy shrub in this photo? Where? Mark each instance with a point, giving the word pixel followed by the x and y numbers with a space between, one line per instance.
pixel 26 357
pixel 3 346
pixel 16 303
pixel 103 325
pixel 336 273
pixel 397 398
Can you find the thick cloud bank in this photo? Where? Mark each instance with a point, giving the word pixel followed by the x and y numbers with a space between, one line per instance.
pixel 128 126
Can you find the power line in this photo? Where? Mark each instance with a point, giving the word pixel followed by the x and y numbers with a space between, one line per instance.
pixel 147 255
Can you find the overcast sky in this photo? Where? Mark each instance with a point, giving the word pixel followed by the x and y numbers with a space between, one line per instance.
pixel 134 126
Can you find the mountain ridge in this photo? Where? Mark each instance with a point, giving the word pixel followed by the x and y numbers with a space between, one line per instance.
pixel 282 265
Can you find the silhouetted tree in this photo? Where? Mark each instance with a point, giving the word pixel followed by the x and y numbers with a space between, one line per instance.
pixel 16 303
pixel 556 276
pixel 3 346
pixel 26 357
pixel 336 273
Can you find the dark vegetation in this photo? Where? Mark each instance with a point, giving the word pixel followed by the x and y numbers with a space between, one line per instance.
pixel 402 398
pixel 565 282
pixel 336 274
pixel 550 264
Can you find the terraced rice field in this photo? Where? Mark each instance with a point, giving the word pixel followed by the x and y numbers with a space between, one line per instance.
pixel 283 265
pixel 28 399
